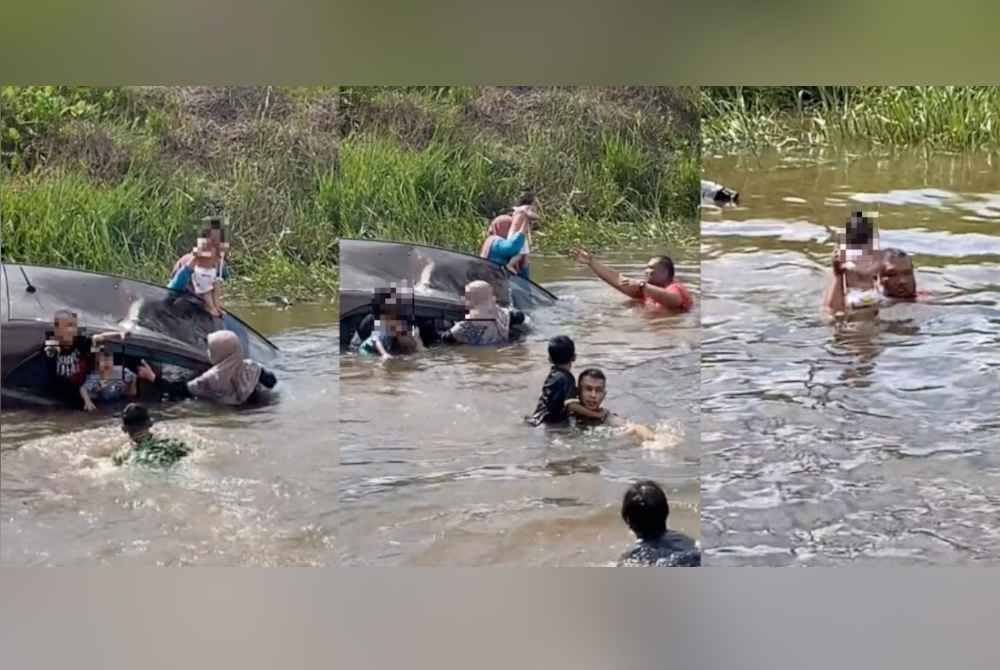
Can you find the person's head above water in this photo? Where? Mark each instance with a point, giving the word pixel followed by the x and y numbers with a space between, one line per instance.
pixel 105 362
pixel 223 344
pixel 480 299
pixel 660 271
pixel 136 420
pixel 562 350
pixel 66 326
pixel 897 275
pixel 592 386
pixel 860 231
pixel 645 510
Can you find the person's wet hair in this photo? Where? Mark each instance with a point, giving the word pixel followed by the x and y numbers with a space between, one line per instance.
pixel 665 263
pixel 591 373
pixel 527 198
pixel 860 230
pixel 892 252
pixel 135 417
pixel 63 315
pixel 645 509
pixel 562 350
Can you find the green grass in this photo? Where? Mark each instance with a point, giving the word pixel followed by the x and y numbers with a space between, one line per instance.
pixel 950 118
pixel 117 180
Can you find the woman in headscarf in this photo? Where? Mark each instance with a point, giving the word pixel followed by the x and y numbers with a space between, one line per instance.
pixel 232 379
pixel 509 235
pixel 485 323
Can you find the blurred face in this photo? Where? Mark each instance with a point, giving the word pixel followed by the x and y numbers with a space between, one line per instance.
pixel 656 274
pixel 105 364
pixel 592 392
pixel 66 330
pixel 898 280
pixel 215 236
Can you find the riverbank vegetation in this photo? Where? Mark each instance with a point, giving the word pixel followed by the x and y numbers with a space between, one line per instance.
pixel 952 118
pixel 117 180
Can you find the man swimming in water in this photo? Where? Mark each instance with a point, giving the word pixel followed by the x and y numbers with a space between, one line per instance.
pixel 897 276
pixel 145 448
pixel 645 510
pixel 659 289
pixel 592 387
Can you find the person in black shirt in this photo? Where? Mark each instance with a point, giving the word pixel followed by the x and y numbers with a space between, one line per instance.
pixel 559 386
pixel 69 356
pixel 645 510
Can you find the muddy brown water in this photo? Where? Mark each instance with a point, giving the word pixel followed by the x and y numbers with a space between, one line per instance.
pixel 438 468
pixel 258 490
pixel 877 443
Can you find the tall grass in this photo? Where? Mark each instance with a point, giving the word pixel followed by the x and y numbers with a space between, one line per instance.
pixel 121 185
pixel 939 117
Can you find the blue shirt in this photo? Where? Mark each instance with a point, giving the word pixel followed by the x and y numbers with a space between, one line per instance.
pixel 502 251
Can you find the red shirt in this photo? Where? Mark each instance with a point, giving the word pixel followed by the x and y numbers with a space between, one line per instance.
pixel 677 289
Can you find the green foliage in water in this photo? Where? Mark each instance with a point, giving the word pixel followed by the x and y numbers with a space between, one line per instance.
pixel 940 117
pixel 117 180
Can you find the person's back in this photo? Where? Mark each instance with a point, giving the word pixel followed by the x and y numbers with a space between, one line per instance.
pixel 559 386
pixel 645 511
pixel 670 550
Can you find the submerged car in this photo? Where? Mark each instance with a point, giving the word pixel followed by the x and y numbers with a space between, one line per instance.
pixel 429 284
pixel 165 328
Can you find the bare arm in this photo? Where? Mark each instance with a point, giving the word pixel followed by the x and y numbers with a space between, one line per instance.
pixel 110 335
pixel 643 432
pixel 612 278
pixel 381 350
pixel 833 299
pixel 639 430
pixel 574 406
pixel 88 404
pixel 663 296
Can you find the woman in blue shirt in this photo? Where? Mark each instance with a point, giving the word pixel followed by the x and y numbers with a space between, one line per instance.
pixel 508 237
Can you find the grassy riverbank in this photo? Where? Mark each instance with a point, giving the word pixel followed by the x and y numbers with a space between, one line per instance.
pixel 117 179
pixel 948 118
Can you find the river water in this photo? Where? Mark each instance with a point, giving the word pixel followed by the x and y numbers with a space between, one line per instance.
pixel 438 468
pixel 868 443
pixel 258 489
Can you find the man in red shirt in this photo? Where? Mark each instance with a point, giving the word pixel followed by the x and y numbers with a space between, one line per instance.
pixel 658 289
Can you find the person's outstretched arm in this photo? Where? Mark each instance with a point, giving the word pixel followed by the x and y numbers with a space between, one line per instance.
pixel 639 430
pixel 609 276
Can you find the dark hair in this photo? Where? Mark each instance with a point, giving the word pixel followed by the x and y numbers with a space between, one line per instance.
pixel 561 350
pixel 666 263
pixel 135 417
pixel 62 315
pixel 593 373
pixel 645 509
pixel 527 198
pixel 859 230
pixel 895 253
